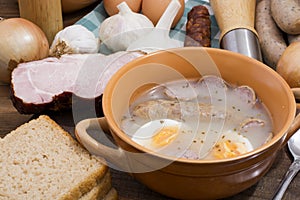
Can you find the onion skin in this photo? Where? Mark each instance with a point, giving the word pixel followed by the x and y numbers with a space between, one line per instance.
pixel 288 65
pixel 20 41
pixel 69 6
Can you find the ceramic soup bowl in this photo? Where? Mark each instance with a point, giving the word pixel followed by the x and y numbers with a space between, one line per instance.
pixel 185 178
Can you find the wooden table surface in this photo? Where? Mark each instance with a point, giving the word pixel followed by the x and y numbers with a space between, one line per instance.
pixel 127 187
pixel 10 8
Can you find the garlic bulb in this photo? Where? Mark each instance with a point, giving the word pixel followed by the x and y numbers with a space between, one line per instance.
pixel 159 38
pixel 74 39
pixel 119 31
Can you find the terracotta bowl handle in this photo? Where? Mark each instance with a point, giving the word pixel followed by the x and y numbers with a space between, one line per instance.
pixel 116 157
pixel 296 123
pixel 113 156
pixel 293 128
pixel 296 92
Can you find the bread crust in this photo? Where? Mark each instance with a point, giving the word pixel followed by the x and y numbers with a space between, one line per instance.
pixel 78 189
pixel 100 190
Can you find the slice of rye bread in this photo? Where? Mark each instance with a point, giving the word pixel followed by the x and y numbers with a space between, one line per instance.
pixel 39 160
pixel 100 190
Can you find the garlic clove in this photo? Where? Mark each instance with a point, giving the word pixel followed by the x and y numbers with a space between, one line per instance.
pixel 74 39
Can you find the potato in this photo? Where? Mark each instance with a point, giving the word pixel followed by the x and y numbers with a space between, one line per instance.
pixel 286 13
pixel 289 65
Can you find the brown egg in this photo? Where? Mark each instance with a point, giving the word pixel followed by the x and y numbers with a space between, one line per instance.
pixel 110 6
pixel 154 9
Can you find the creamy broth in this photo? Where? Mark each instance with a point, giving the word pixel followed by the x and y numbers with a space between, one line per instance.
pixel 199 119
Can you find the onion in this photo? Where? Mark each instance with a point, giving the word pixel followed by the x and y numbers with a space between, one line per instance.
pixel 75 5
pixel 288 65
pixel 20 41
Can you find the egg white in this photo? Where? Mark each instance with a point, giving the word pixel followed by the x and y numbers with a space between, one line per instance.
pixel 144 137
pixel 242 144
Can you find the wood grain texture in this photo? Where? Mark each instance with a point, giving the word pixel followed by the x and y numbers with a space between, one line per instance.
pixel 9 117
pixel 233 14
pixel 10 9
pixel 47 14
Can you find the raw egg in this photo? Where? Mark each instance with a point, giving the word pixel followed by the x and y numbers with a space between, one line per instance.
pixel 110 6
pixel 154 10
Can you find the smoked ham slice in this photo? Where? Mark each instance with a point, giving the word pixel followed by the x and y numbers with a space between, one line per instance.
pixel 49 84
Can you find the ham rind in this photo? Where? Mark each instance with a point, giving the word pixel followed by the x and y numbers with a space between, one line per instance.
pixel 49 84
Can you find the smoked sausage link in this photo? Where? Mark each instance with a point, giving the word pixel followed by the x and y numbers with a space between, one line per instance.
pixel 198 27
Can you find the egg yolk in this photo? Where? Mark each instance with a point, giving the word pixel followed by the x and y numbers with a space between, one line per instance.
pixel 228 149
pixel 165 136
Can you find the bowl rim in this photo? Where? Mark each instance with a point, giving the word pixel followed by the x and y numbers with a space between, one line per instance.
pixel 278 138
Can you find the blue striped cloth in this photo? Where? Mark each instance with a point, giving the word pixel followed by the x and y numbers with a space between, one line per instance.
pixel 93 20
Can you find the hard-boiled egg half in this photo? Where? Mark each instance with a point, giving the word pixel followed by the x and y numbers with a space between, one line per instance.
pixel 230 145
pixel 166 136
pixel 177 139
